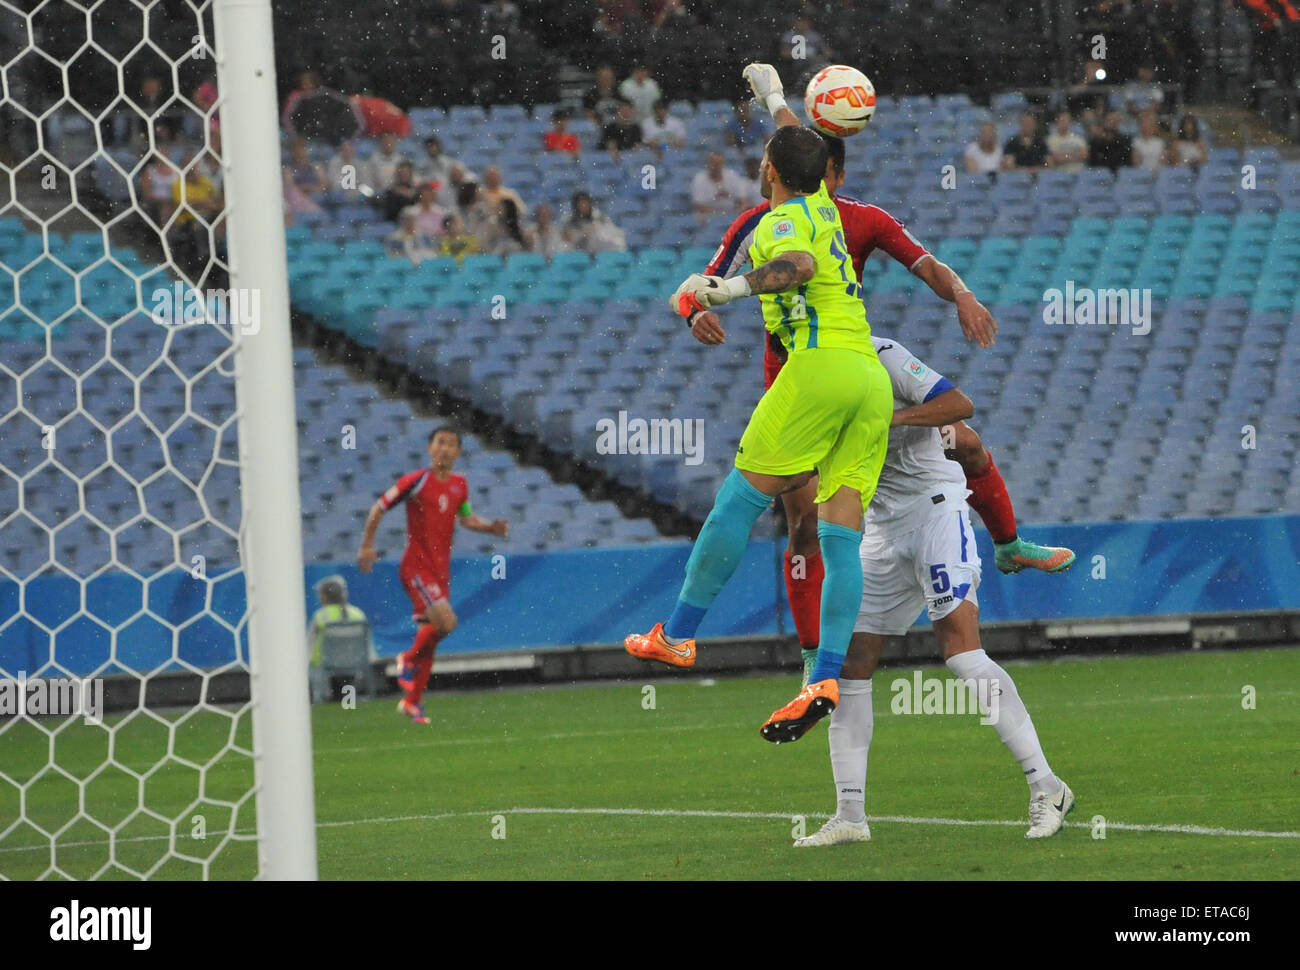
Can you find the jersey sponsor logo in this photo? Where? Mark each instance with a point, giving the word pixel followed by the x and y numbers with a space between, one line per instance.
pixel 917 369
pixel 783 227
pixel 442 502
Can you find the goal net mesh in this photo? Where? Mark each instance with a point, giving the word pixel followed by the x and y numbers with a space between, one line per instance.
pixel 120 511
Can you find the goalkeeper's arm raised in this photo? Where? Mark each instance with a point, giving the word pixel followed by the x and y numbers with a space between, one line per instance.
pixel 765 82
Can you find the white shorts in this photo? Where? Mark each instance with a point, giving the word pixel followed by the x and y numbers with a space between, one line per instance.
pixel 934 567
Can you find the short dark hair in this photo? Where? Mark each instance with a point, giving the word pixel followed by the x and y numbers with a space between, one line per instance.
pixel 433 140
pixel 835 148
pixel 447 428
pixel 799 155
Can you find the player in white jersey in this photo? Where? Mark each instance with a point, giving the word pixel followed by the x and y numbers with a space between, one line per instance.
pixel 918 553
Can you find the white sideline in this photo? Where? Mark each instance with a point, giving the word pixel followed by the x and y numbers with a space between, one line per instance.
pixel 708 813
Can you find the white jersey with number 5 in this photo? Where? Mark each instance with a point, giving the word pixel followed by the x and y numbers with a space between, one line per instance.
pixel 916 475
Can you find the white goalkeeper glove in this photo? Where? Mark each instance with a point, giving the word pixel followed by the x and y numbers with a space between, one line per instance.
pixel 766 85
pixel 699 292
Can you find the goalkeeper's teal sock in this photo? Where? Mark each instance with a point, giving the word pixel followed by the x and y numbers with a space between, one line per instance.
pixel 841 597
pixel 716 553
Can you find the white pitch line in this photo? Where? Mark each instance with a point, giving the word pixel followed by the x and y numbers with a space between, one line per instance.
pixel 709 813
pixel 900 819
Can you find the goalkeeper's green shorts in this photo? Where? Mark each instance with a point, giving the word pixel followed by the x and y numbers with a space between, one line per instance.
pixel 829 409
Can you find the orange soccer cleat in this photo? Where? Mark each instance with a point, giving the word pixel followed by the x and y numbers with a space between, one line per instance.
pixel 812 704
pixel 653 646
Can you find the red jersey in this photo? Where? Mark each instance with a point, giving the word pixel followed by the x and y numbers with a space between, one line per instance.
pixel 431 510
pixel 866 229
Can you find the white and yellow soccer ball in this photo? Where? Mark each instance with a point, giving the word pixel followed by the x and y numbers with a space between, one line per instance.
pixel 840 100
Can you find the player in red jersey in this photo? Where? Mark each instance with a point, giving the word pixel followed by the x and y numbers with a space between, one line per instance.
pixel 435 501
pixel 867 228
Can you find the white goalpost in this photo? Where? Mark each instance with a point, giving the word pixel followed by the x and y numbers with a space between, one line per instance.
pixel 271 533
pixel 150 524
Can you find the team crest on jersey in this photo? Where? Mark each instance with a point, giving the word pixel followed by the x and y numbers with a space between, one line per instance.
pixel 915 368
pixel 784 227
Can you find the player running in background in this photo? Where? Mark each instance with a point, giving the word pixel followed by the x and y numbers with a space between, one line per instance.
pixel 828 410
pixel 918 552
pixel 867 228
pixel 435 501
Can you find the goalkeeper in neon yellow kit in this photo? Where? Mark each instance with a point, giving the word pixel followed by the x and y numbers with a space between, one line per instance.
pixel 827 413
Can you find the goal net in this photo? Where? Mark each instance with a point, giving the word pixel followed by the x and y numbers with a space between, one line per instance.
pixel 153 699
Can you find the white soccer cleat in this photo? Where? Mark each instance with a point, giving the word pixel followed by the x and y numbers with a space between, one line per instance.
pixel 1047 812
pixel 836 831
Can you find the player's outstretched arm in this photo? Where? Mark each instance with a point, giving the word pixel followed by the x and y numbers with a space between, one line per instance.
pixel 367 556
pixel 952 405
pixel 976 321
pixel 785 272
pixel 765 82
pixel 498 527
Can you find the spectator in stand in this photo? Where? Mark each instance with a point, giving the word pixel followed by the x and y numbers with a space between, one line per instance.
pixel 205 98
pixel 449 192
pixel 559 138
pixel 641 91
pixel 133 128
pixel 498 195
pixel 746 129
pixel 307 176
pixel 198 204
pixel 1068 149
pixel 623 133
pixel 590 230
pixel 209 163
pixel 477 215
pixel 1110 148
pixel 500 17
pixel 1150 149
pixel 544 236
pixel 1189 148
pixel 493 214
pixel 434 166
pixel 983 156
pixel 752 180
pixel 408 242
pixel 456 242
pixel 349 176
pixel 802 46
pixel 385 161
pixel 601 102
pixel 401 193
pixel 717 190
pixel 1145 92
pixel 428 215
pixel 661 130
pixel 156 184
pixel 1026 149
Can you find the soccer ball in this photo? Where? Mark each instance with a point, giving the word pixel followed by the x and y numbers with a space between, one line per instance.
pixel 840 100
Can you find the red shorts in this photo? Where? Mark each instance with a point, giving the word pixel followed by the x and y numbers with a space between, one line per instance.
pixel 425 585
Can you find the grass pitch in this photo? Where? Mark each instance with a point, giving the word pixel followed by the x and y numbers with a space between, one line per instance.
pixel 617 782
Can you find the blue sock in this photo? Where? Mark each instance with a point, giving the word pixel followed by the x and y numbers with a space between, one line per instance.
pixel 841 597
pixel 717 552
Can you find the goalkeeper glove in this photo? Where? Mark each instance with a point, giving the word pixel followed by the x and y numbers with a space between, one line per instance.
pixel 766 85
pixel 699 292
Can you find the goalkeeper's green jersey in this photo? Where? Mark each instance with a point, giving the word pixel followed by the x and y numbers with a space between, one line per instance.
pixel 826 311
